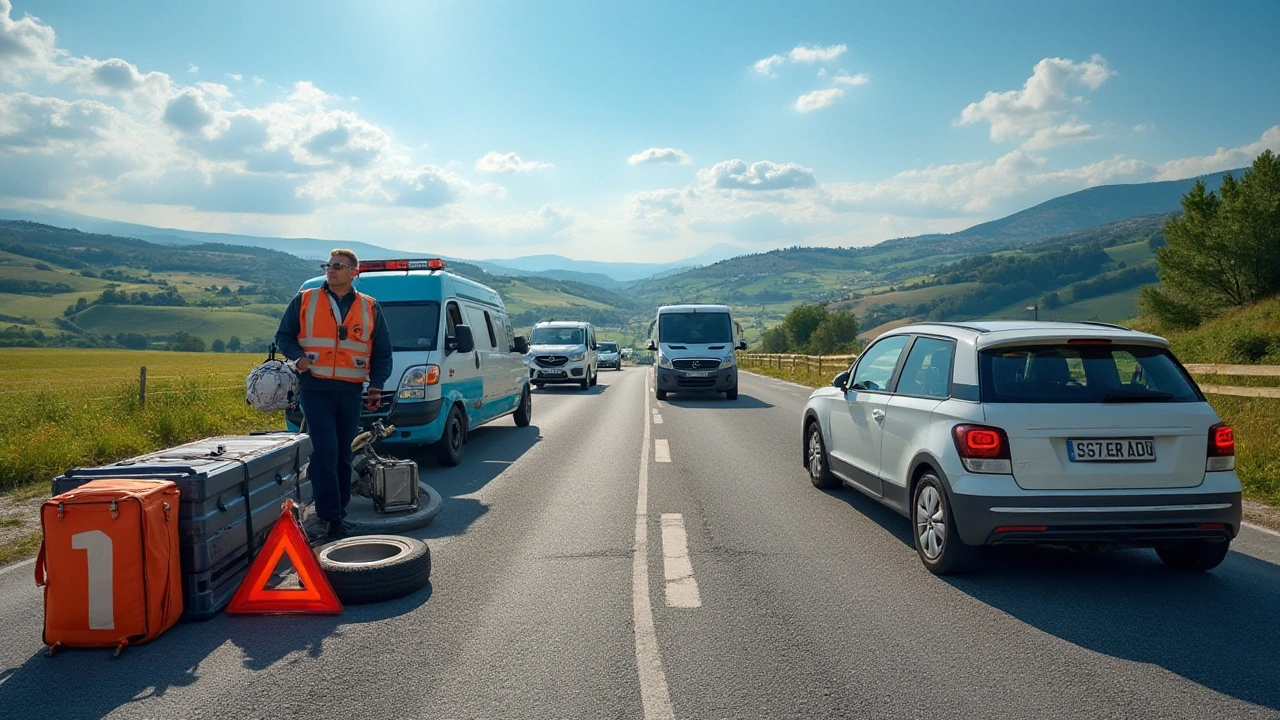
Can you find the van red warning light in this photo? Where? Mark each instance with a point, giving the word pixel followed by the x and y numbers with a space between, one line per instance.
pixel 400 265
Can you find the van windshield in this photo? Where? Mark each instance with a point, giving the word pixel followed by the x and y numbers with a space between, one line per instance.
pixel 556 336
pixel 694 328
pixel 413 325
pixel 611 347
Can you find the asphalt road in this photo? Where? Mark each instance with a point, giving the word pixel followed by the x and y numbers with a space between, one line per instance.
pixel 753 595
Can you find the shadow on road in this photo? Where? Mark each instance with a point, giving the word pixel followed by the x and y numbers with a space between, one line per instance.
pixel 708 399
pixel 88 683
pixel 1220 629
pixel 489 451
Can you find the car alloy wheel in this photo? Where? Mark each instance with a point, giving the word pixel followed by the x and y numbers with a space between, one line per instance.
pixel 935 537
pixel 931 523
pixel 819 471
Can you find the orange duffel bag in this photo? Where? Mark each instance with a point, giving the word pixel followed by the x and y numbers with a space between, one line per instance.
pixel 109 564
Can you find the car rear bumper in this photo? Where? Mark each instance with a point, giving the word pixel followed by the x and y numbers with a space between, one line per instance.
pixel 1005 514
pixel 681 381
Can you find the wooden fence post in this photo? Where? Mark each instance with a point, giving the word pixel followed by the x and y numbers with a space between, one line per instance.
pixel 142 387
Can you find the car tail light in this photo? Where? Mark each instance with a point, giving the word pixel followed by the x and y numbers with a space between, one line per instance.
pixel 983 449
pixel 1222 449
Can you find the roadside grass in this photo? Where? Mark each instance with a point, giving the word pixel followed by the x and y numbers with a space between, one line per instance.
pixel 22 548
pixel 78 408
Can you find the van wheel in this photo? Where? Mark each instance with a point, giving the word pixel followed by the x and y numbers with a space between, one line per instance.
pixel 449 448
pixel 524 411
pixel 660 393
pixel 731 393
pixel 935 536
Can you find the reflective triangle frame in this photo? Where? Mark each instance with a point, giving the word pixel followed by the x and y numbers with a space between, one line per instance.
pixel 315 597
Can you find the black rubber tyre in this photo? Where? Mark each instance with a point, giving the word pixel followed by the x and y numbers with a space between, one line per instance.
pixel 1193 555
pixel 731 393
pixel 660 393
pixel 816 459
pixel 934 530
pixel 538 385
pixel 595 377
pixel 449 448
pixel 524 411
pixel 373 568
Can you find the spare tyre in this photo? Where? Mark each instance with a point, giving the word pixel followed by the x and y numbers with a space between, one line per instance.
pixel 373 568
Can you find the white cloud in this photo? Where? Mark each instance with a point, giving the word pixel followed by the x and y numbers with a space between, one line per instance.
pixel 1223 159
pixel 817 99
pixel 660 155
pixel 25 44
pixel 803 54
pixel 1039 110
pixel 494 162
pixel 427 187
pixel 1143 127
pixel 810 54
pixel 188 112
pixel 737 175
pixel 844 78
pixel 193 69
pixel 655 204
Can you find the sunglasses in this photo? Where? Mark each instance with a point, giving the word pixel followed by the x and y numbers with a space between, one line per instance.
pixel 336 266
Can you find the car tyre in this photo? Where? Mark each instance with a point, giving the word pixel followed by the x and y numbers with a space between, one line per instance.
pixel 731 393
pixel 1193 555
pixel 660 393
pixel 449 448
pixel 817 462
pixel 524 411
pixel 374 568
pixel 595 377
pixel 934 533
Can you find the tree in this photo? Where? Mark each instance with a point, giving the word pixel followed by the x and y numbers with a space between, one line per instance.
pixel 1051 301
pixel 218 345
pixel 800 323
pixel 1222 251
pixel 835 335
pixel 186 342
pixel 774 340
pixel 131 340
pixel 233 345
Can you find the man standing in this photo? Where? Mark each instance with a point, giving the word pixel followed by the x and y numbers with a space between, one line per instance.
pixel 339 341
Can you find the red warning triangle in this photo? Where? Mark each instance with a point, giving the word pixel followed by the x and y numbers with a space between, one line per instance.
pixel 315 597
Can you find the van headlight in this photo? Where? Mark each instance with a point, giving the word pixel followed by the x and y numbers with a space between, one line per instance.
pixel 577 357
pixel 664 361
pixel 727 361
pixel 414 382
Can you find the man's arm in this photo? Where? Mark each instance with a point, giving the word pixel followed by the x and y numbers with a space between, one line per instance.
pixel 287 333
pixel 380 360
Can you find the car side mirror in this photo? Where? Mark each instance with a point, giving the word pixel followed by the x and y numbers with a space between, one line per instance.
pixel 840 380
pixel 742 344
pixel 462 340
pixel 651 346
pixel 521 345
pixel 593 346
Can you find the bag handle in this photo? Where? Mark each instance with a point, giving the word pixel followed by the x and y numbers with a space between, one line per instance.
pixel 41 578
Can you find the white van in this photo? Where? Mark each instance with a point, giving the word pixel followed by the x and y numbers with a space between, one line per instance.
pixel 695 345
pixel 456 362
pixel 563 351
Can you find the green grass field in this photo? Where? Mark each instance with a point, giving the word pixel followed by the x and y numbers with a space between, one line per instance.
pixel 207 323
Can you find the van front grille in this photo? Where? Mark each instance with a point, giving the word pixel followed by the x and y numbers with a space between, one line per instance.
pixel 696 364
pixel 551 360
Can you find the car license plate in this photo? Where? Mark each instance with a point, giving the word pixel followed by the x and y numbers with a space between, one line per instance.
pixel 553 373
pixel 697 374
pixel 1112 450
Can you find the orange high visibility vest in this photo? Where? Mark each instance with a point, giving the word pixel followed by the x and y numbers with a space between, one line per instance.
pixel 332 357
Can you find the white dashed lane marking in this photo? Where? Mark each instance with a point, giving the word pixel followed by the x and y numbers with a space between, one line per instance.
pixel 661 451
pixel 682 588
pixel 657 419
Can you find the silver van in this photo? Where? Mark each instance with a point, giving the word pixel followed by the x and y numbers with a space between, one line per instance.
pixel 695 346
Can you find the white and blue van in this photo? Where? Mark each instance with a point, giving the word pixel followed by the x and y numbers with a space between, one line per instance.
pixel 695 346
pixel 456 362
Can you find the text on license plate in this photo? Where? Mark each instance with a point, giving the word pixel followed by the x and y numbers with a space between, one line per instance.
pixel 552 373
pixel 1112 450
pixel 696 374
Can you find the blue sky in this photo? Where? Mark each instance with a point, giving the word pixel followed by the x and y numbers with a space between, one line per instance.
pixel 617 131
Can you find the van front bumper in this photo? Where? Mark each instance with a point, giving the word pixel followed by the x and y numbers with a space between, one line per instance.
pixel 569 373
pixel 684 380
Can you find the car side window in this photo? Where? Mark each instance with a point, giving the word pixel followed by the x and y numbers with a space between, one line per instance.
pixel 927 370
pixel 875 367
pixel 488 322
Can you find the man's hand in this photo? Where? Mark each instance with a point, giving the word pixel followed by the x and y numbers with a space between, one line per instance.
pixel 372 398
pixel 302 363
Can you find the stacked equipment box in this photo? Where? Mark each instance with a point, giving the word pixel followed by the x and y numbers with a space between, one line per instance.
pixel 230 491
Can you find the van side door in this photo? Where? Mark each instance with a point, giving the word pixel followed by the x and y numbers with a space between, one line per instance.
pixel 488 364
pixel 459 373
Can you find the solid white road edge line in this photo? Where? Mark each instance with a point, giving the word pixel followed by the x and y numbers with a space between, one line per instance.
pixel 15 566
pixel 653 681
pixel 661 450
pixel 1259 528
pixel 682 588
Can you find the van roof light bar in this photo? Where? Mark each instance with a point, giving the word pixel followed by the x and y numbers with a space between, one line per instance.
pixel 400 265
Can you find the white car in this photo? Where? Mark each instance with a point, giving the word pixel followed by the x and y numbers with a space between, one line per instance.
pixel 998 432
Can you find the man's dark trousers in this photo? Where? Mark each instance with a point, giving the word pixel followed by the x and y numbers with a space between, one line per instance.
pixel 333 419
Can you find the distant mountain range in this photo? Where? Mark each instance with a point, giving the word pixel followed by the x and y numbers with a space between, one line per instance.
pixel 1059 216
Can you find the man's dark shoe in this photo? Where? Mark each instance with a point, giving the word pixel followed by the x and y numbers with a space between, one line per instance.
pixel 338 529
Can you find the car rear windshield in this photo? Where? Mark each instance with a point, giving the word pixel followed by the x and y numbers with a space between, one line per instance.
pixel 1082 373
pixel 694 328
pixel 413 325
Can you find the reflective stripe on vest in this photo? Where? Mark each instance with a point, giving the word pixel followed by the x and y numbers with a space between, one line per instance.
pixel 330 357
